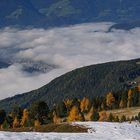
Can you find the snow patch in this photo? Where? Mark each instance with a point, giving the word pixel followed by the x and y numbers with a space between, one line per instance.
pixel 97 131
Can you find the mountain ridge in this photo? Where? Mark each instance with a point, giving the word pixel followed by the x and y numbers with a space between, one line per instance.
pixel 90 81
pixel 50 13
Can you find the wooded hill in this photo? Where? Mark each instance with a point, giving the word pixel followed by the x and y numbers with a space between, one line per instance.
pixel 90 81
pixel 70 110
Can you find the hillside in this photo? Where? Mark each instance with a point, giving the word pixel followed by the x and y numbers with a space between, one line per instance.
pixel 128 112
pixel 90 81
pixel 50 13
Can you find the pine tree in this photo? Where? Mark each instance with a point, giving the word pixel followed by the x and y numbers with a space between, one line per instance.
pixel 95 116
pixel 10 120
pixel 133 118
pixel 76 102
pixel 123 99
pixel 136 97
pixel 117 119
pixel 38 111
pixel 17 112
pixel 139 116
pixel 2 117
pixel 136 118
pixel 68 104
pixel 122 104
pixel 5 125
pixel 111 117
pixel 61 109
pixel 128 119
pixel 123 118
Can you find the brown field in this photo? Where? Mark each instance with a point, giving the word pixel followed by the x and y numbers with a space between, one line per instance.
pixel 60 128
pixel 128 112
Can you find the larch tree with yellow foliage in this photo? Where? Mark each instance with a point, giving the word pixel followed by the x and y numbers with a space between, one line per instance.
pixel 92 115
pixel 122 104
pixel 129 100
pixel 110 100
pixel 138 88
pixel 85 105
pixel 37 123
pixel 68 103
pixel 88 116
pixel 25 118
pixel 103 116
pixel 75 115
pixel 57 119
pixel 16 123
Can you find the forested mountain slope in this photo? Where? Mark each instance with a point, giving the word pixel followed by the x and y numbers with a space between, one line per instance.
pixel 90 81
pixel 50 13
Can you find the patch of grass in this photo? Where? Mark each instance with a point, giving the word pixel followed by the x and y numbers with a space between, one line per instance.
pixel 60 128
pixel 70 128
pixel 128 112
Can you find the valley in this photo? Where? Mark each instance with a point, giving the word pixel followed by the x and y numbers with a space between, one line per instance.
pixel 69 70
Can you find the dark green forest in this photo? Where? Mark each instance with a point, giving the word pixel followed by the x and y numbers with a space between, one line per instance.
pixel 91 81
pixel 71 110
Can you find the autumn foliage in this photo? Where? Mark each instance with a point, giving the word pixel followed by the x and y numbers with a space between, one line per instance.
pixel 75 115
pixel 110 100
pixel 16 123
pixel 25 118
pixel 84 104
pixel 71 110
pixel 103 116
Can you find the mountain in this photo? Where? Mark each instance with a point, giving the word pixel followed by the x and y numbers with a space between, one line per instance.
pixel 3 64
pixel 90 81
pixel 50 13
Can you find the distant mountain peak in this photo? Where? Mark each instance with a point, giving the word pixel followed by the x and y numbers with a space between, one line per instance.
pixel 48 13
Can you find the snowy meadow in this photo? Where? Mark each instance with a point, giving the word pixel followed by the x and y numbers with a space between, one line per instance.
pixel 96 131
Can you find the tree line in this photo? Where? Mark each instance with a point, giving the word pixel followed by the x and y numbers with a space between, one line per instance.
pixel 69 110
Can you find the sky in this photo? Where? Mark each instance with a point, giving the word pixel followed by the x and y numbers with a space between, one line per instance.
pixel 66 48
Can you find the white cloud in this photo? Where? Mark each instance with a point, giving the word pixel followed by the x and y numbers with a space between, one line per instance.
pixel 67 48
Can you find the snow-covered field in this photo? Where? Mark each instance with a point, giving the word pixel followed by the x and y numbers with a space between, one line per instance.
pixel 97 131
